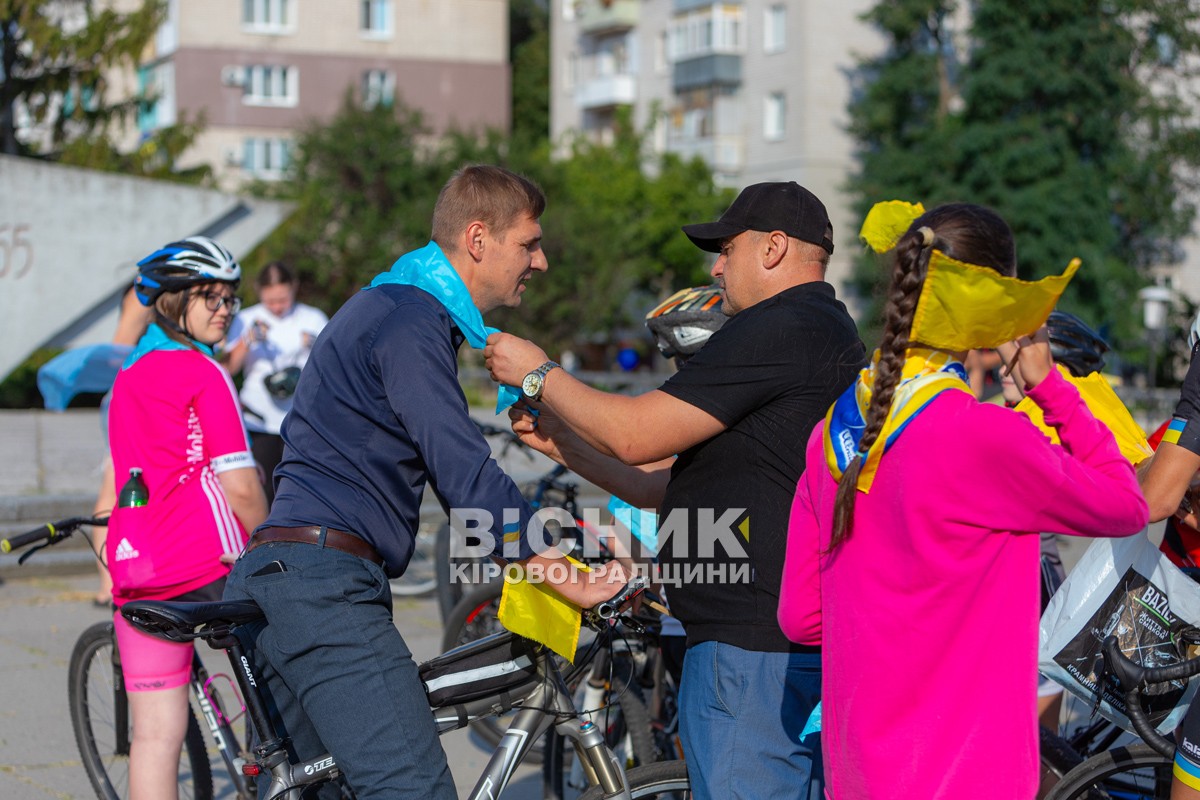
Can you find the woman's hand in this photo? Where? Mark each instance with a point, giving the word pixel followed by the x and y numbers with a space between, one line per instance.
pixel 1028 359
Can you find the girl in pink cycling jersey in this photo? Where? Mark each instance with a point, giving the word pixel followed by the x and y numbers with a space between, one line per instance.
pixel 912 553
pixel 174 415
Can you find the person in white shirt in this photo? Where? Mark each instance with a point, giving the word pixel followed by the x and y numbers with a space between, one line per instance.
pixel 270 342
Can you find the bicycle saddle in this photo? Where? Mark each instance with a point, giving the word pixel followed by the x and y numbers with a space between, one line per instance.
pixel 184 622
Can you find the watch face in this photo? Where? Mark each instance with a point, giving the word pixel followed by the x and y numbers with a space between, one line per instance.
pixel 531 386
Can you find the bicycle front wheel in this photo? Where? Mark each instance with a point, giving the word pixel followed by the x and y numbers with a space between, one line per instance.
pixel 1135 772
pixel 100 718
pixel 1057 758
pixel 666 780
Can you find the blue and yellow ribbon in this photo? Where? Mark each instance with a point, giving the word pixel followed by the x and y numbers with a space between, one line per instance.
pixel 926 374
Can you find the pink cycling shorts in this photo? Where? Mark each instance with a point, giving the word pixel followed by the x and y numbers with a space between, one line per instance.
pixel 151 664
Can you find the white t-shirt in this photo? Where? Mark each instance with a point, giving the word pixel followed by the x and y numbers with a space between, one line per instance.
pixel 273 343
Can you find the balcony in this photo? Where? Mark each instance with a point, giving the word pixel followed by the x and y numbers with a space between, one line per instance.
pixel 715 69
pixel 600 17
pixel 721 153
pixel 606 91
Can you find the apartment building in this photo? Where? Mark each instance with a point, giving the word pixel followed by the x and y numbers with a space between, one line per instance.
pixel 260 70
pixel 757 88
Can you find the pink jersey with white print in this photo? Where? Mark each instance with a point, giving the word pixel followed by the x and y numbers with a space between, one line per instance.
pixel 174 415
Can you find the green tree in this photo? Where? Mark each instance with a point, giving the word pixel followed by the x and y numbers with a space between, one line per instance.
pixel 364 185
pixel 55 56
pixel 1071 119
pixel 529 55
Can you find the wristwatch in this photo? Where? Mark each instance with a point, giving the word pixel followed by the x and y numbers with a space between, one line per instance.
pixel 534 383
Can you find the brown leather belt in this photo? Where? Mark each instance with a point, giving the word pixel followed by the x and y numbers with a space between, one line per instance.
pixel 311 534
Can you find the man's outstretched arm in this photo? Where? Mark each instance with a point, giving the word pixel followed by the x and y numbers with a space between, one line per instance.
pixel 634 430
pixel 640 485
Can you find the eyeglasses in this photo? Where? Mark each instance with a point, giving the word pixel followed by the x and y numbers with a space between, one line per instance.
pixel 213 301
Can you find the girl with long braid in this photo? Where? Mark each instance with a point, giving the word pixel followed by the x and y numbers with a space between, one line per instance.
pixel 913 541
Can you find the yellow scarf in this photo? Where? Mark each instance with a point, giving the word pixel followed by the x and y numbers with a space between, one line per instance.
pixel 1106 407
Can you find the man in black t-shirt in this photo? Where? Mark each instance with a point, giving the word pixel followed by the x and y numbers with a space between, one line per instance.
pixel 737 415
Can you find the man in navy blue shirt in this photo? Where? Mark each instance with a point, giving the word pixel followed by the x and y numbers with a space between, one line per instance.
pixel 378 414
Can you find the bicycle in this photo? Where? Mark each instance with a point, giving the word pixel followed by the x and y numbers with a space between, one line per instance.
pixel 1140 771
pixel 605 678
pixel 532 681
pixel 99 704
pixel 634 698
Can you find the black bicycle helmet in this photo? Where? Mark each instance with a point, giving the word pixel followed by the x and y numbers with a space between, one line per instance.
pixel 1074 344
pixel 682 323
pixel 183 264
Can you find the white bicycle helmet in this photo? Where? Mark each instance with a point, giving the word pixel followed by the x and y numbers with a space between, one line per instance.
pixel 179 265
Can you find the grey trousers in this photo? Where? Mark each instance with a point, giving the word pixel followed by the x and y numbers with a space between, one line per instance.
pixel 338 672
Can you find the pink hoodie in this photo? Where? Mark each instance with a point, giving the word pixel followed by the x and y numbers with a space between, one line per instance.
pixel 927 614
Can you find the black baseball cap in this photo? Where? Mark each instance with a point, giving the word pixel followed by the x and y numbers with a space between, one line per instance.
pixel 787 207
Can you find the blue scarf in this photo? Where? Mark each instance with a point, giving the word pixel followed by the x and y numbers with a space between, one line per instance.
pixel 428 269
pixel 155 338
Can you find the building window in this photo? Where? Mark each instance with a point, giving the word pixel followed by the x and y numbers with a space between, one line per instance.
pixel 774 111
pixel 707 30
pixel 378 89
pixel 266 159
pixel 156 86
pixel 267 16
pixel 662 60
pixel 166 39
pixel 376 18
pixel 775 29
pixel 271 86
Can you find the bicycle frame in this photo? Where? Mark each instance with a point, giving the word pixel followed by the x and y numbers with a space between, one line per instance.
pixel 548 700
pixel 220 726
pixel 544 704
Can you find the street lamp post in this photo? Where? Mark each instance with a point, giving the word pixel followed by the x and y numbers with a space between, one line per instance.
pixel 1156 302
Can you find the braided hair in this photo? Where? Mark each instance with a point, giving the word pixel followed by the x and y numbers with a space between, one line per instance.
pixel 962 231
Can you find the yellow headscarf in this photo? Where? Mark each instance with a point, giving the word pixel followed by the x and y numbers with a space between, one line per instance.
pixel 964 306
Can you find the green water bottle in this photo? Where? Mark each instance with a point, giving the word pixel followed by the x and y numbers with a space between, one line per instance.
pixel 134 493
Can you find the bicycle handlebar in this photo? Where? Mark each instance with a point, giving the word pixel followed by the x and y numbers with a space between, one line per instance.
pixel 605 613
pixel 612 606
pixel 1134 677
pixel 50 533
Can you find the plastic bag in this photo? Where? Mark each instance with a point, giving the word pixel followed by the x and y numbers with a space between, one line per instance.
pixel 1125 588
